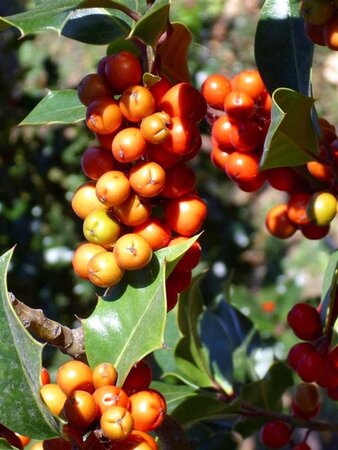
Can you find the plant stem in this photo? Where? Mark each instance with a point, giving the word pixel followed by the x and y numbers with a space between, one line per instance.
pixel 69 341
pixel 249 410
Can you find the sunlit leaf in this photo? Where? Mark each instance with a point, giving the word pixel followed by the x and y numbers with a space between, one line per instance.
pixel 21 409
pixel 283 53
pixel 153 23
pixel 57 107
pixel 129 321
pixel 291 139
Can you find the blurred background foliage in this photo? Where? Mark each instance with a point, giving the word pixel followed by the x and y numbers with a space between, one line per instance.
pixel 40 169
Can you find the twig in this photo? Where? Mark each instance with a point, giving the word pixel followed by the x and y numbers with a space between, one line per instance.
pixel 69 340
pixel 249 410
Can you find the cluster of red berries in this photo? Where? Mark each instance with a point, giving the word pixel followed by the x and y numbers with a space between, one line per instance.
pixel 321 21
pixel 98 411
pixel 239 112
pixel 141 195
pixel 313 360
pixel 306 404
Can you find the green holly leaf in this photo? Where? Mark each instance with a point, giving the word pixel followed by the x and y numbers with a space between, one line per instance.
pixel 4 445
pixel 153 23
pixel 57 107
pixel 203 406
pixel 174 394
pixel 96 26
pixel 283 53
pixel 129 321
pixel 328 307
pixel 291 139
pixel 21 409
pixel 54 14
pixel 267 392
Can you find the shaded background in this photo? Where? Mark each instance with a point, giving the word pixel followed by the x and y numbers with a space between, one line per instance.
pixel 40 169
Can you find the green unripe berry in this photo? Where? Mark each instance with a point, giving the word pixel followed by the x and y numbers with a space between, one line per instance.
pixel 322 208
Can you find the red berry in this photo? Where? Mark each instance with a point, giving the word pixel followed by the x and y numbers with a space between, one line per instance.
pixel 297 352
pixel 275 434
pixel 311 366
pixel 305 321
pixel 301 446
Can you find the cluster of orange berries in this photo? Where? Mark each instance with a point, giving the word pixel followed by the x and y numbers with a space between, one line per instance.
pixel 240 110
pixel 315 360
pixel 98 411
pixel 141 195
pixel 312 202
pixel 321 21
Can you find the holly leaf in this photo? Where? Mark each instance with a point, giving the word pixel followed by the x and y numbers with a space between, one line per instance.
pixel 174 394
pixel 203 406
pixel 217 346
pixel 4 445
pixel 57 107
pixel 329 303
pixel 96 26
pixel 291 139
pixel 267 392
pixel 150 27
pixel 21 409
pixel 54 14
pixel 173 53
pixel 129 321
pixel 283 53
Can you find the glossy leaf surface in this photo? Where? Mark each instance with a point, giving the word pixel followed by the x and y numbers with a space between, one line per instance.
pixel 291 139
pixel 129 321
pixel 21 409
pixel 57 107
pixel 283 53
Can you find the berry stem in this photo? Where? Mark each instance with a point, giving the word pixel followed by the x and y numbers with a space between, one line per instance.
pixel 249 410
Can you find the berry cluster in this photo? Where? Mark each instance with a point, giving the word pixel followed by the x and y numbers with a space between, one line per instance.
pixel 306 404
pixel 98 411
pixel 313 360
pixel 240 110
pixel 141 195
pixel 312 202
pixel 321 21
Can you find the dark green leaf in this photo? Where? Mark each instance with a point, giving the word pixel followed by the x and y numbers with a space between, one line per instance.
pixel 174 394
pixel 267 393
pixel 186 364
pixel 95 26
pixel 217 346
pixel 53 14
pixel 246 427
pixel 129 321
pixel 329 291
pixel 153 23
pixel 165 358
pixel 4 445
pixel 21 409
pixel 283 53
pixel 291 139
pixel 57 107
pixel 204 406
